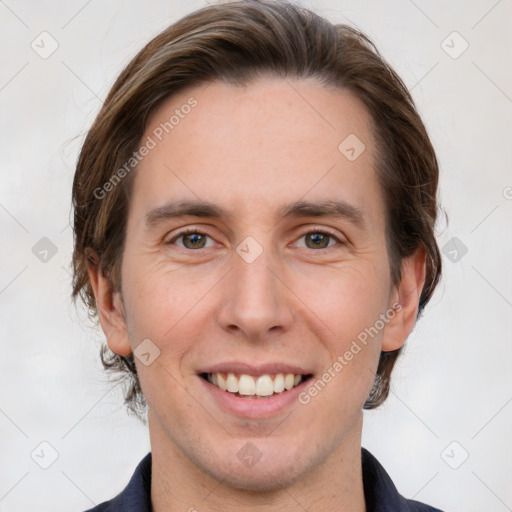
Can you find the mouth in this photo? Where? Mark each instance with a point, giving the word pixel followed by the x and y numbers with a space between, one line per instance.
pixel 255 386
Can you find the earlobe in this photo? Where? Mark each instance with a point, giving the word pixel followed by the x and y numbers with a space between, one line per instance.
pixel 407 296
pixel 110 309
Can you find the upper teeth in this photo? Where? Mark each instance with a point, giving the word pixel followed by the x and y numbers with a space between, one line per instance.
pixel 261 385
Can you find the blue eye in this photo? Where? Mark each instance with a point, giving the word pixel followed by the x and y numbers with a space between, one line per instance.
pixel 192 239
pixel 195 239
pixel 319 240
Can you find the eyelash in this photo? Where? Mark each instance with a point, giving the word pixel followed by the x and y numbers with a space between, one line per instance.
pixel 189 231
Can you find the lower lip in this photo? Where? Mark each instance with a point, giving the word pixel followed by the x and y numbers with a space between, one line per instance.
pixel 253 407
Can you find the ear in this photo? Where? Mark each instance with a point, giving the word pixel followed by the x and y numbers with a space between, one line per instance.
pixel 110 308
pixel 405 301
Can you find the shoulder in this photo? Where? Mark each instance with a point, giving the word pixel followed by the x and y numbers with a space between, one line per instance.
pixel 136 496
pixel 380 492
pixel 416 506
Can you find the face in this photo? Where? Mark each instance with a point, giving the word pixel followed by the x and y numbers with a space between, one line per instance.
pixel 255 250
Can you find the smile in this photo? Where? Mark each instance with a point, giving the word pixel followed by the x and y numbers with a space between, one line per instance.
pixel 257 386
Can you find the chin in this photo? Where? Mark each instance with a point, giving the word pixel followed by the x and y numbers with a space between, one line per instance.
pixel 263 478
pixel 276 467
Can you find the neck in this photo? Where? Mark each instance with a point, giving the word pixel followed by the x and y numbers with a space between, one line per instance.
pixel 179 484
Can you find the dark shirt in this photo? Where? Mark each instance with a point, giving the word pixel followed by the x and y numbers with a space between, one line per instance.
pixel 379 491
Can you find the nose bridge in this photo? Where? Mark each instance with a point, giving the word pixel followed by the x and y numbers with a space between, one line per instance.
pixel 254 301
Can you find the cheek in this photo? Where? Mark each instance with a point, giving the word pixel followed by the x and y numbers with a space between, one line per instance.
pixel 167 307
pixel 156 295
pixel 351 308
pixel 346 300
pixel 349 304
pixel 159 309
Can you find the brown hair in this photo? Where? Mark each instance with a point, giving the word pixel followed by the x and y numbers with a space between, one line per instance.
pixel 236 42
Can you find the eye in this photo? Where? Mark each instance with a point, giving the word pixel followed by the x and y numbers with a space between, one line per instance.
pixel 196 239
pixel 319 240
pixel 191 239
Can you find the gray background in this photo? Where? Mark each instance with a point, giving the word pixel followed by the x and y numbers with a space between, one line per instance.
pixel 451 394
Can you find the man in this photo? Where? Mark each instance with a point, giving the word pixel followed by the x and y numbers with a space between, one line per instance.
pixel 254 213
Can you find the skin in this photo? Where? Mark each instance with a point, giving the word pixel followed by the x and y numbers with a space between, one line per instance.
pixel 252 150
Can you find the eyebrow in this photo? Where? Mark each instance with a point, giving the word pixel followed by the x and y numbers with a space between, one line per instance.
pixel 197 208
pixel 330 208
pixel 177 209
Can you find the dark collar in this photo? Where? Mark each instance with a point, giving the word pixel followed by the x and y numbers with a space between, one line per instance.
pixel 380 493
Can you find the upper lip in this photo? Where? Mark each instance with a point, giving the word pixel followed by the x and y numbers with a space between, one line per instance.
pixel 252 369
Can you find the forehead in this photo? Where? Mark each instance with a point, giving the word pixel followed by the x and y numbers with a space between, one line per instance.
pixel 263 145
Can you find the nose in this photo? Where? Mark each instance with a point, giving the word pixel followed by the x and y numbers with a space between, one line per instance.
pixel 256 303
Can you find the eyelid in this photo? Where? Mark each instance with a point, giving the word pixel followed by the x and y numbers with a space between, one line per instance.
pixel 310 229
pixel 339 241
pixel 187 231
pixel 325 230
